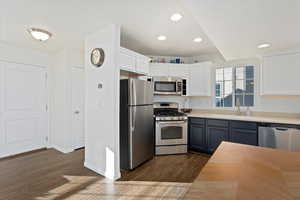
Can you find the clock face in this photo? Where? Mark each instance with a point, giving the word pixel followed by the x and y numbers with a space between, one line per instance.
pixel 97 57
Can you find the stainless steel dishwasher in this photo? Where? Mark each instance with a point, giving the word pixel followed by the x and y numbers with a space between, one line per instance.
pixel 279 138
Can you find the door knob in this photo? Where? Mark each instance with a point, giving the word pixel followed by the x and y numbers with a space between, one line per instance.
pixel 76 112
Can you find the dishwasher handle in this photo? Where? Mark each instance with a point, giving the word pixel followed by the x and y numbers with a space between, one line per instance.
pixel 281 129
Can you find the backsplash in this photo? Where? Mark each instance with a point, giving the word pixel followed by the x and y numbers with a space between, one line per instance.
pixel 283 104
pixel 182 101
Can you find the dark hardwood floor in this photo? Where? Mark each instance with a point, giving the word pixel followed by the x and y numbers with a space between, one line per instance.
pixel 172 168
pixel 48 174
pixel 35 174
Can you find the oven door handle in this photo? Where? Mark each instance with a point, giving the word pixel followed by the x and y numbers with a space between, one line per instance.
pixel 175 122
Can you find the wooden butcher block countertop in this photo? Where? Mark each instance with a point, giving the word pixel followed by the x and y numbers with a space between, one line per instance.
pixel 242 172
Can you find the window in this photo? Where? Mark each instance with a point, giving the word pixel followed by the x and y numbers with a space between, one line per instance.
pixel 234 86
pixel 224 87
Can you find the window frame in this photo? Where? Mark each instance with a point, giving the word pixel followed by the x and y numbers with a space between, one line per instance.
pixel 234 86
pixel 215 81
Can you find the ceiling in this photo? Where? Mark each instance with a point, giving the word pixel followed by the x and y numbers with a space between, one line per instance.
pixel 70 20
pixel 237 27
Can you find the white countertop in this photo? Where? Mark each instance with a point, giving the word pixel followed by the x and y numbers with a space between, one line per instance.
pixel 265 119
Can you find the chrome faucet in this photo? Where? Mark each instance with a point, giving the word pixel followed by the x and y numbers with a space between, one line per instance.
pixel 238 105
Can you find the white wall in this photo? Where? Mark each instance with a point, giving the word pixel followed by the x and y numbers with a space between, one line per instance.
pixel 21 55
pixel 102 105
pixel 2 28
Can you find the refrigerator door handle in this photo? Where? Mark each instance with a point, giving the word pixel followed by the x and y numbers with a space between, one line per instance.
pixel 133 100
pixel 132 118
pixel 134 93
pixel 131 93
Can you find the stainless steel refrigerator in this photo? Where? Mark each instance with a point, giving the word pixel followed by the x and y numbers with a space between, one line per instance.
pixel 136 123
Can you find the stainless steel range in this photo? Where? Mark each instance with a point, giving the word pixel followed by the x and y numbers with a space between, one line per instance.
pixel 170 129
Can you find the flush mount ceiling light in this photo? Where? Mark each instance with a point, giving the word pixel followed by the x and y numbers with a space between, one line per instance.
pixel 161 37
pixel 176 17
pixel 262 46
pixel 39 34
pixel 198 39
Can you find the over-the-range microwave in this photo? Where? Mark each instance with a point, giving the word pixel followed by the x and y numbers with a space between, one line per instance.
pixel 169 86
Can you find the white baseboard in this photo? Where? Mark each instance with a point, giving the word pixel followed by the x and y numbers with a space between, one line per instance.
pixel 62 149
pixel 9 153
pixel 101 171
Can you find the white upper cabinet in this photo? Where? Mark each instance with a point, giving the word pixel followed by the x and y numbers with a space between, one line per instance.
pixel 199 82
pixel 280 75
pixel 142 65
pixel 179 70
pixel 159 69
pixel 167 69
pixel 133 62
pixel 127 60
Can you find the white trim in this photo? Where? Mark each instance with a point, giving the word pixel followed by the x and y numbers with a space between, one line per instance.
pixel 22 55
pixel 282 53
pixel 47 103
pixel 22 63
pixel 234 66
pixel 73 139
pixel 279 93
pixel 62 149
pixel 26 150
pixel 261 83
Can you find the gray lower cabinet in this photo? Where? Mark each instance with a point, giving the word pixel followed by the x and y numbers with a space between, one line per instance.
pixel 197 137
pixel 243 132
pixel 216 135
pixel 205 135
pixel 243 136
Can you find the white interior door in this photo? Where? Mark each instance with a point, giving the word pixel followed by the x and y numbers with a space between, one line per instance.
pixel 23 115
pixel 78 107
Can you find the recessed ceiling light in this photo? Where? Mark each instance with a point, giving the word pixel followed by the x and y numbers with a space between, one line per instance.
pixel 261 46
pixel 161 37
pixel 176 17
pixel 198 39
pixel 39 34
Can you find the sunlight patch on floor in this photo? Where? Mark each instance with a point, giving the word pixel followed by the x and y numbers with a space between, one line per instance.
pixel 91 188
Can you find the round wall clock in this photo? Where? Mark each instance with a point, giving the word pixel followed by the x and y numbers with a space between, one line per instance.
pixel 97 57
